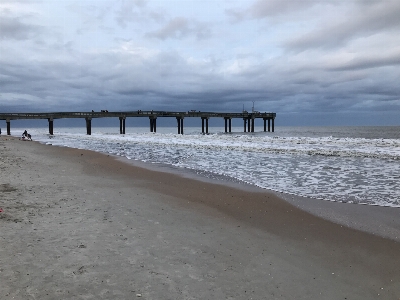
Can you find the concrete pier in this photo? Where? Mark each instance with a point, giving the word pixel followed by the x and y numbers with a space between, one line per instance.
pixel 51 125
pixel 88 126
pixel 247 117
pixel 122 125
pixel 153 124
pixel 228 120
pixel 8 127
pixel 202 125
pixel 180 124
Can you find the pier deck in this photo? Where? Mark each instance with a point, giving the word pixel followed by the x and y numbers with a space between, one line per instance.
pixel 248 118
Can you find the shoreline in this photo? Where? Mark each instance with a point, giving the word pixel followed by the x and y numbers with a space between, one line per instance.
pixel 383 221
pixel 82 224
pixel 373 183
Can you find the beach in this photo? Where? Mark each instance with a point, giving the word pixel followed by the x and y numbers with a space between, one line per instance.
pixel 78 224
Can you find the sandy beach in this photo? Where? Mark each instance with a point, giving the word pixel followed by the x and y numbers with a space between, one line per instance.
pixel 77 224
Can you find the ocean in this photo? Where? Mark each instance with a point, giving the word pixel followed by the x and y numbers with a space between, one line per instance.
pixel 358 165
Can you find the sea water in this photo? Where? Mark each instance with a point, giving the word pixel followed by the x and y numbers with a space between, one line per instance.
pixel 348 164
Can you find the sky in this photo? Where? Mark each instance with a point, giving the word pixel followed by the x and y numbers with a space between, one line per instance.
pixel 330 62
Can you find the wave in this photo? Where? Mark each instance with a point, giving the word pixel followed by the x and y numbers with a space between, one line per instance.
pixel 352 170
pixel 368 148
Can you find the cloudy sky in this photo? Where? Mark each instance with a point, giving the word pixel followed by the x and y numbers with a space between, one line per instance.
pixel 330 62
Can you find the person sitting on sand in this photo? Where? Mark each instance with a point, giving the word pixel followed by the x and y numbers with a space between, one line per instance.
pixel 26 135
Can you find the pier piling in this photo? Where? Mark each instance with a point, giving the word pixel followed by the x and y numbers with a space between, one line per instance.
pixel 122 125
pixel 180 124
pixel 8 127
pixel 265 124
pixel 153 124
pixel 202 124
pixel 88 126
pixel 50 125
pixel 228 120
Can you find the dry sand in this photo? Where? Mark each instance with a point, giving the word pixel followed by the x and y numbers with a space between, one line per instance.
pixel 83 225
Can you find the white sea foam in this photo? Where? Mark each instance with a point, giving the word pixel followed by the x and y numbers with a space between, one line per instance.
pixel 346 169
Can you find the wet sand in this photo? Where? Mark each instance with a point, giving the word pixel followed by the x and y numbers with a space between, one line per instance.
pixel 78 224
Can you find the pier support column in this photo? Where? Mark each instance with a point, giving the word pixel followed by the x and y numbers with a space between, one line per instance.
pixel 122 125
pixel 252 125
pixel 249 124
pixel 202 125
pixel 50 125
pixel 244 124
pixel 273 125
pixel 8 127
pixel 269 125
pixel 88 126
pixel 180 124
pixel 153 124
pixel 265 124
pixel 228 119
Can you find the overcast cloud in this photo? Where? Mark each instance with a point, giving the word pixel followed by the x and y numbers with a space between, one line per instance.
pixel 330 62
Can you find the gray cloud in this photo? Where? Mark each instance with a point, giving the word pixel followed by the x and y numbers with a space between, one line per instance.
pixel 175 28
pixel 346 67
pixel 362 21
pixel 15 28
pixel 369 61
pixel 131 11
pixel 261 9
pixel 347 22
pixel 166 80
pixel 179 28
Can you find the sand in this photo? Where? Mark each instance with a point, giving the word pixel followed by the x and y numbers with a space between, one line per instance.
pixel 78 224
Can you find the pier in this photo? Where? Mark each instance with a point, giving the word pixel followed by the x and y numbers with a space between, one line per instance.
pixel 247 117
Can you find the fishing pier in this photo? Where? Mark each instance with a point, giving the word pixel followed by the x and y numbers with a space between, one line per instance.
pixel 247 117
